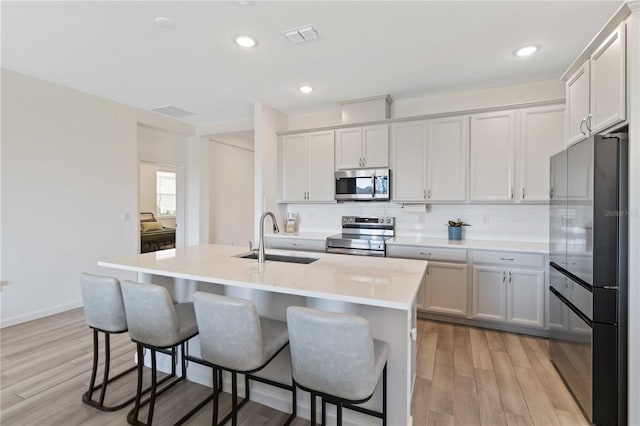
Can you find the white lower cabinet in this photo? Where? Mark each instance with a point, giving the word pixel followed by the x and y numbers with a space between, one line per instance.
pixel 446 288
pixel 510 295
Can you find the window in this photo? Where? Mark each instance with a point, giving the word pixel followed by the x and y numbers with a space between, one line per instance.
pixel 166 194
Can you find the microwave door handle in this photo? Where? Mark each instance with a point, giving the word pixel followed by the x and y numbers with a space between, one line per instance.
pixel 373 186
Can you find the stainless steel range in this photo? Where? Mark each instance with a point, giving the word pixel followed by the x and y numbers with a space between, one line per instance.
pixel 365 236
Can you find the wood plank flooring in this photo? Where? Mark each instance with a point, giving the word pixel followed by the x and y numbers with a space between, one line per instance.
pixel 465 376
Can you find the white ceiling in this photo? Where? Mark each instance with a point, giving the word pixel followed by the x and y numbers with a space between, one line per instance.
pixel 116 51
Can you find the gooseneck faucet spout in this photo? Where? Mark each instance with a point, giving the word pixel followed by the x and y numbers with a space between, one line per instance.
pixel 275 230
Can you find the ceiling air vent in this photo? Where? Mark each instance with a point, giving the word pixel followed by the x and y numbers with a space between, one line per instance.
pixel 172 111
pixel 300 34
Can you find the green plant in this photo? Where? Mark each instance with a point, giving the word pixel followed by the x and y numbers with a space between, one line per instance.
pixel 457 223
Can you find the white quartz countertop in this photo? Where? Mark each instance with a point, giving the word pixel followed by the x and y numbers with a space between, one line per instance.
pixel 385 282
pixel 471 244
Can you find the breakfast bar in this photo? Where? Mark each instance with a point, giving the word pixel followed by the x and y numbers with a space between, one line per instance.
pixel 382 290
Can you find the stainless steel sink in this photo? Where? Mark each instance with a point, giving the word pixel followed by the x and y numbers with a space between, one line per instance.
pixel 280 258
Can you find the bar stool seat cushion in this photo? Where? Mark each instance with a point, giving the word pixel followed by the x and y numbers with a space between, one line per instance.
pixel 233 335
pixel 103 305
pixel 153 318
pixel 334 353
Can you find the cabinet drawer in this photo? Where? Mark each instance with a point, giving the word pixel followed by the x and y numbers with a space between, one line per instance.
pixel 427 253
pixel 507 258
pixel 296 244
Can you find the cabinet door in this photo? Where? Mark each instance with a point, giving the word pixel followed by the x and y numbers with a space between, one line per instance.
pixel 349 148
pixel 577 93
pixel 541 136
pixel 375 142
pixel 321 180
pixel 294 167
pixel 448 144
pixel 489 293
pixel 408 157
pixel 422 296
pixel 525 297
pixel 447 288
pixel 608 82
pixel 492 156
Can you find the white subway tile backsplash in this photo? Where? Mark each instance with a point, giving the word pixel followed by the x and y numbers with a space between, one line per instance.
pixel 500 222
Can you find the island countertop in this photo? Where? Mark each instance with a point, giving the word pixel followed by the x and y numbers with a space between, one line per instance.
pixel 384 282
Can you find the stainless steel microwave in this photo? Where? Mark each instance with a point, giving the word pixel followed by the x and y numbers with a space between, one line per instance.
pixel 363 185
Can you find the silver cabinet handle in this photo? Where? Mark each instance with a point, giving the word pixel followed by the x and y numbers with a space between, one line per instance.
pixel 424 193
pixel 523 192
pixel 551 194
pixel 504 275
pixel 427 269
pixel 512 193
pixel 509 277
pixel 587 123
pixel 425 254
pixel 506 258
pixel 429 194
pixel 584 120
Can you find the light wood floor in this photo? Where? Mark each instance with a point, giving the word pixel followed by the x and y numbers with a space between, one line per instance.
pixel 466 376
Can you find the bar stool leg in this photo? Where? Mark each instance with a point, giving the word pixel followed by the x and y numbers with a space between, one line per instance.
pixel 133 415
pixel 339 413
pixel 324 412
pixel 94 368
pixel 107 363
pixel 384 395
pixel 313 409
pixel 216 393
pixel 234 399
pixel 152 398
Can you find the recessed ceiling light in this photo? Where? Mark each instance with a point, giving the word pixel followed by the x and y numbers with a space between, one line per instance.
pixel 245 41
pixel 526 51
pixel 305 89
pixel 164 22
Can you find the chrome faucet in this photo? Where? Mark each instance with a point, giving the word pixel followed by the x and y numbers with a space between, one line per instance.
pixel 275 230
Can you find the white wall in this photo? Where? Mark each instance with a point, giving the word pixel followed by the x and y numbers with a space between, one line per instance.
pixel 231 190
pixel 147 196
pixel 69 176
pixel 268 121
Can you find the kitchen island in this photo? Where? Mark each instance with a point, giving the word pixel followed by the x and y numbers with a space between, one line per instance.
pixel 380 289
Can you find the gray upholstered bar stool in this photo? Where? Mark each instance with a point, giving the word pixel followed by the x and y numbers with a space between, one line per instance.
pixel 104 313
pixel 155 323
pixel 234 338
pixel 334 356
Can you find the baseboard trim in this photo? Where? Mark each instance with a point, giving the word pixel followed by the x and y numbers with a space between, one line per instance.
pixel 39 314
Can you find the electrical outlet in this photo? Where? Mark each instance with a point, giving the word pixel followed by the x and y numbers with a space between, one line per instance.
pixel 485 218
pixel 126 216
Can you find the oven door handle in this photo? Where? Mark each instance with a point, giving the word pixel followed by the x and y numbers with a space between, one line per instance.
pixel 360 252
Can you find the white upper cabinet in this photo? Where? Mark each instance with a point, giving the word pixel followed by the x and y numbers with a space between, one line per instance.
pixel 608 82
pixel 293 151
pixel 577 92
pixel 541 136
pixel 408 159
pixel 596 92
pixel 429 159
pixel 448 145
pixel 491 157
pixel 362 147
pixel 307 167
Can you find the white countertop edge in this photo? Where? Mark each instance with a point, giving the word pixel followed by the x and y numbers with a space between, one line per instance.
pixel 320 236
pixel 524 247
pixel 269 288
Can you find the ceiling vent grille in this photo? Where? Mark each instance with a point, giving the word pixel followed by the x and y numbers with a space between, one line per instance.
pixel 300 34
pixel 172 111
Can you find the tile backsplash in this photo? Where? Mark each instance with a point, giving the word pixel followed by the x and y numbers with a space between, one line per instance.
pixel 500 222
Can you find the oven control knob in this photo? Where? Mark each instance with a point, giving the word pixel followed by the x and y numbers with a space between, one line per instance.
pixel 381 220
pixel 351 219
pixel 388 220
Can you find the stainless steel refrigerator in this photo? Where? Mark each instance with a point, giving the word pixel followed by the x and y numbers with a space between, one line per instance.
pixel 588 274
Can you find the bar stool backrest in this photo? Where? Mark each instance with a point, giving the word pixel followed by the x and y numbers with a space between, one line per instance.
pixel 103 304
pixel 331 352
pixel 230 331
pixel 150 314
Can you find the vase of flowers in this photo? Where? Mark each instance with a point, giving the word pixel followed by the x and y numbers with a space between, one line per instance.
pixel 455 229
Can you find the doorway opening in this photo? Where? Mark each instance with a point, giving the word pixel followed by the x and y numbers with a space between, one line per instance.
pixel 159 205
